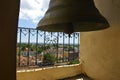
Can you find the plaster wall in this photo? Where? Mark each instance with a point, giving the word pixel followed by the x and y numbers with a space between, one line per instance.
pixel 100 50
pixel 50 74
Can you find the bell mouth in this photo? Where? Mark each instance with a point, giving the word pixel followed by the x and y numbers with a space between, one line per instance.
pixel 74 27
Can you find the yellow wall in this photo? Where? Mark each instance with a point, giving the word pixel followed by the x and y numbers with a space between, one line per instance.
pixel 100 53
pixel 100 50
pixel 50 74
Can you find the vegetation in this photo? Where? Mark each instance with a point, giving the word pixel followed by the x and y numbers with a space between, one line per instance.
pixel 74 62
pixel 49 59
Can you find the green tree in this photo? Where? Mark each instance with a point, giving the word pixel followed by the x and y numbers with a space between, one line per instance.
pixel 49 58
pixel 23 46
pixel 40 49
pixel 32 47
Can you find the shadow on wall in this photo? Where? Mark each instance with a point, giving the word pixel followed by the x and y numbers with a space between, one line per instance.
pixel 78 77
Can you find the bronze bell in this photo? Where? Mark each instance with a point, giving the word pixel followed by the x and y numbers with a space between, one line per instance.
pixel 72 16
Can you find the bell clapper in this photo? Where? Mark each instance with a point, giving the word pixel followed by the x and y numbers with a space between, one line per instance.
pixel 69 29
pixel 69 35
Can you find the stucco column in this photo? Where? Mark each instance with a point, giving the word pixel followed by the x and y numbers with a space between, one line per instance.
pixel 9 10
pixel 100 50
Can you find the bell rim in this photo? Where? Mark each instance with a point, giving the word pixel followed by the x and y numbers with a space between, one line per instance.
pixel 77 27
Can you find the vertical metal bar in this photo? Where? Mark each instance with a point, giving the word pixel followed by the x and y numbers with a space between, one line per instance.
pixel 44 46
pixel 28 46
pixel 19 47
pixel 78 45
pixel 57 44
pixel 73 41
pixel 68 49
pixel 74 45
pixel 63 47
pixel 36 46
pixel 44 39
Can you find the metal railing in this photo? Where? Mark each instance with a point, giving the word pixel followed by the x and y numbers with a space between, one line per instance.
pixel 41 48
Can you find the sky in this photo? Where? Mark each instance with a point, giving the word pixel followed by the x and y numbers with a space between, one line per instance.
pixel 31 11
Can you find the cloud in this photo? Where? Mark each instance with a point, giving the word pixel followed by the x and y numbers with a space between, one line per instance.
pixel 33 9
